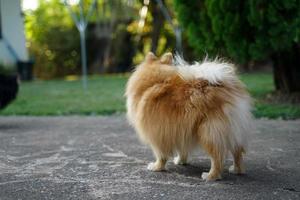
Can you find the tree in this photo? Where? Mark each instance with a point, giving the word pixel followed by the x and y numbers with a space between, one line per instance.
pixel 247 30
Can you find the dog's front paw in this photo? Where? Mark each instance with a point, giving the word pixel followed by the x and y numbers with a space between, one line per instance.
pixel 155 167
pixel 179 161
pixel 206 176
pixel 234 170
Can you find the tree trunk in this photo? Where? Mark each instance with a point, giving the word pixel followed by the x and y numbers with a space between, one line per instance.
pixel 287 70
pixel 157 25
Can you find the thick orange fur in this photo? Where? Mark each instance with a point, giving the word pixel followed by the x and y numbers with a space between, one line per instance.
pixel 174 115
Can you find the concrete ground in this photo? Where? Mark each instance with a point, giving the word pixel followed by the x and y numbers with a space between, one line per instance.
pixel 101 158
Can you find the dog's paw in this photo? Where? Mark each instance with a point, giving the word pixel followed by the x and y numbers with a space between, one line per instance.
pixel 178 161
pixel 234 170
pixel 206 176
pixel 155 167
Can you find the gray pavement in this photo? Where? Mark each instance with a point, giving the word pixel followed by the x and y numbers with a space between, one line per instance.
pixel 101 158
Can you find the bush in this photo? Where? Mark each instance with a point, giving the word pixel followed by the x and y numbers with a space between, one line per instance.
pixel 53 40
pixel 8 89
pixel 55 45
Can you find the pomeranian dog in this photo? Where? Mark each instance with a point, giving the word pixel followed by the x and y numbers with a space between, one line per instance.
pixel 175 107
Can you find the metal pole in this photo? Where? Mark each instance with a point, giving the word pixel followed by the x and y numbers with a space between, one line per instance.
pixel 82 28
pixel 83 58
pixel 81 24
pixel 178 41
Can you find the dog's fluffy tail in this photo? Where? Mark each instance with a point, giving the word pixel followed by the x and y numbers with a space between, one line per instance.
pixel 240 118
pixel 215 71
pixel 237 112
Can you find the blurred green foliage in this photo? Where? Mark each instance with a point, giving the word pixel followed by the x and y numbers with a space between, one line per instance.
pixel 114 40
pixel 244 30
pixel 52 39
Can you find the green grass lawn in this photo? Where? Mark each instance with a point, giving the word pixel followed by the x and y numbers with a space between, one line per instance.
pixel 105 96
pixel 260 85
pixel 60 97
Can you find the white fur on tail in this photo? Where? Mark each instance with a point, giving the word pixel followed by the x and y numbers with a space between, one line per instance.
pixel 213 71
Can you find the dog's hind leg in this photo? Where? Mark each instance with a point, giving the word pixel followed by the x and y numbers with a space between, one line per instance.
pixel 238 166
pixel 217 160
pixel 160 163
pixel 181 158
pixel 213 141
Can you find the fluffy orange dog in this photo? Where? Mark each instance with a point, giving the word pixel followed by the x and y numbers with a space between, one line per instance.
pixel 175 107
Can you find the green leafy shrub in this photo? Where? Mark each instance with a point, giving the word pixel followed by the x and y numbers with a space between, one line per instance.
pixel 247 30
pixel 53 40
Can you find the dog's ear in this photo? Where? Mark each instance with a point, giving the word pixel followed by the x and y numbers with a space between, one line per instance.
pixel 166 58
pixel 150 57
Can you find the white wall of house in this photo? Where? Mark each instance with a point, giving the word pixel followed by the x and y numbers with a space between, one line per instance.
pixel 13 31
